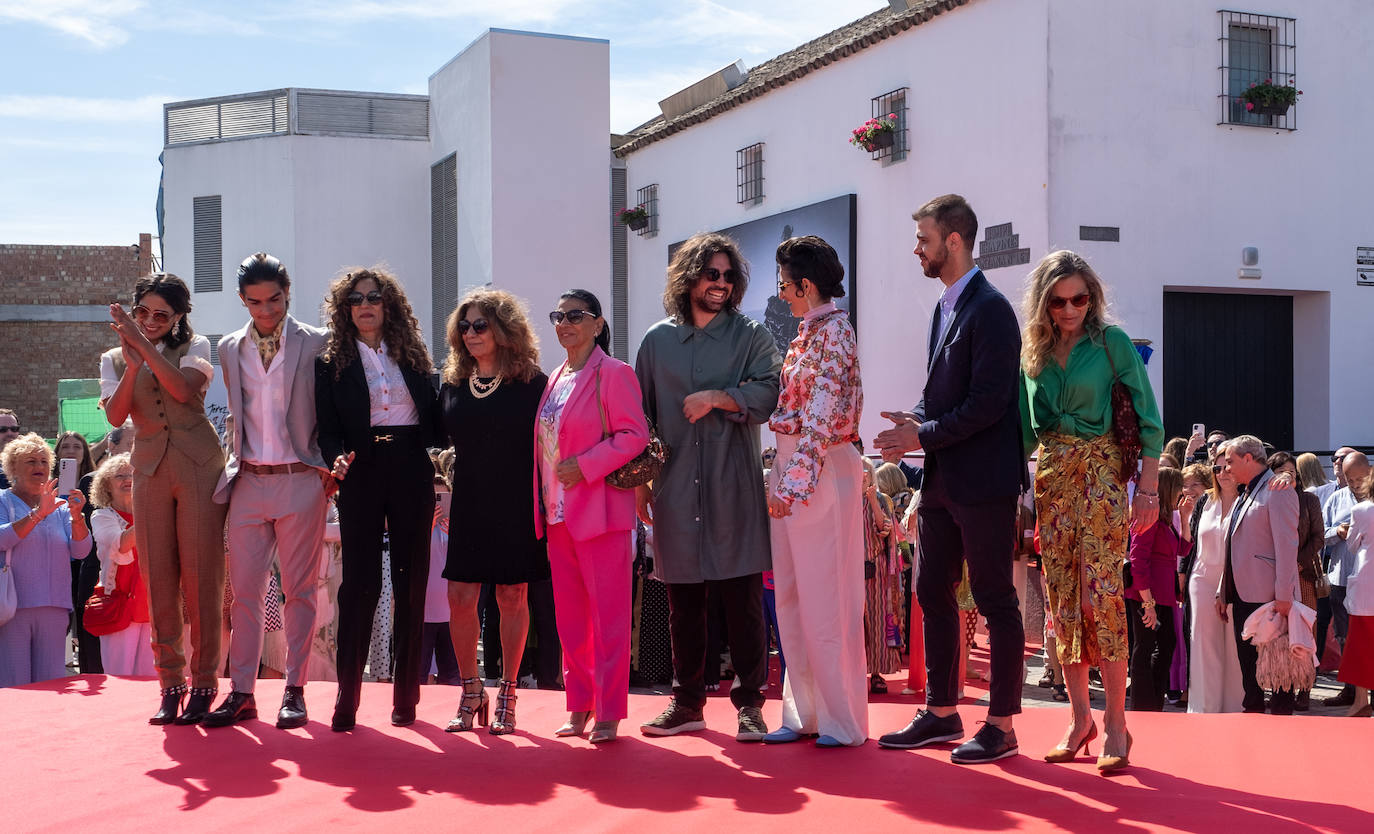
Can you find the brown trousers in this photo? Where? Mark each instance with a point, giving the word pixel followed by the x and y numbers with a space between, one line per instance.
pixel 179 531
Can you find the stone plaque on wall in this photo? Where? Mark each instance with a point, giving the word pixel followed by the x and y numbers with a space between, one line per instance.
pixel 1000 247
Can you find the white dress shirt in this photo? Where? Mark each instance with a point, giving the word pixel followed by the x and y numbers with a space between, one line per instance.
pixel 266 439
pixel 392 404
pixel 107 526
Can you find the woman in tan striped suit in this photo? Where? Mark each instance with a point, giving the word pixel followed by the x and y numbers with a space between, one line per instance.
pixel 158 376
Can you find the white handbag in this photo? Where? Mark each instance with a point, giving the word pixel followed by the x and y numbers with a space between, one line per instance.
pixel 9 598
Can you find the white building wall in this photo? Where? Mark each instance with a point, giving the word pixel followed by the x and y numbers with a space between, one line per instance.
pixel 527 116
pixel 1134 142
pixel 977 99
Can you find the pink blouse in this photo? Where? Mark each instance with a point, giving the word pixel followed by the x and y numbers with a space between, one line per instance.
pixel 822 397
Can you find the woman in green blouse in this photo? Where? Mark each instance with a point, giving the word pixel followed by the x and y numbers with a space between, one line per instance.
pixel 1070 357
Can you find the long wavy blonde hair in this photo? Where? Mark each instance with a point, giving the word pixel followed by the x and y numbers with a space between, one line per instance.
pixel 517 347
pixel 1041 333
pixel 400 329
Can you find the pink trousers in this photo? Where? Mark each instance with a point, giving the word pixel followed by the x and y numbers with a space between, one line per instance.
pixel 591 591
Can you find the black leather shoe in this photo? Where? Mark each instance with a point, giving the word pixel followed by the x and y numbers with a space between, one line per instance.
pixel 197 707
pixel 292 712
pixel 342 722
pixel 171 705
pixel 988 745
pixel 1345 698
pixel 926 728
pixel 237 706
pixel 402 716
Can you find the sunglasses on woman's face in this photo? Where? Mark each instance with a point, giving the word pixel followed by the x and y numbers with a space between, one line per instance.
pixel 713 275
pixel 373 298
pixel 573 316
pixel 479 327
pixel 158 316
pixel 1058 302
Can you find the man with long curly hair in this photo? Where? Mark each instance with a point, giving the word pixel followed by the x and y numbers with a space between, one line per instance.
pixel 274 482
pixel 710 377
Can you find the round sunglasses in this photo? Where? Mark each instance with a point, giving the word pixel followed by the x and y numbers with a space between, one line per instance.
pixel 1058 302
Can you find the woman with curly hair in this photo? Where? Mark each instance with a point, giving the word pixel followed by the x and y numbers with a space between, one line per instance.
pixel 489 402
pixel 377 415
pixel 1070 359
pixel 128 651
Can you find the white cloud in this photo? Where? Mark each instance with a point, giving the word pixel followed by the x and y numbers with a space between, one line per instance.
pixel 97 22
pixel 360 11
pixel 762 29
pixel 76 109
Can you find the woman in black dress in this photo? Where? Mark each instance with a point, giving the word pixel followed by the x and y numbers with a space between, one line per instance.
pixel 491 392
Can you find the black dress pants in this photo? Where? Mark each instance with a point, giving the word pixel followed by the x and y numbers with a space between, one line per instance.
pixel 984 535
pixel 1151 656
pixel 742 599
pixel 390 491
pixel 1249 660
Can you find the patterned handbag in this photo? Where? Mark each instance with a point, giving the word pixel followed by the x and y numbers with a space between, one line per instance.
pixel 646 465
pixel 1125 423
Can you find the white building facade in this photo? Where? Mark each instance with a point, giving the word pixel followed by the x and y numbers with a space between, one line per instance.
pixel 1108 128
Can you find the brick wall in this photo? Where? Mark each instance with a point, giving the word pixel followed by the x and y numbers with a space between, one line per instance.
pixel 34 355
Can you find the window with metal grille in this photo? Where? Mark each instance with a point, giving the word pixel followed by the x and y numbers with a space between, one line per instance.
pixel 620 281
pixel 892 104
pixel 228 117
pixel 208 243
pixel 648 198
pixel 214 348
pixel 362 115
pixel 1256 49
pixel 749 174
pixel 443 250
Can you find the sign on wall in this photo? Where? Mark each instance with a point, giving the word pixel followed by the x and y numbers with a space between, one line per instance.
pixel 834 220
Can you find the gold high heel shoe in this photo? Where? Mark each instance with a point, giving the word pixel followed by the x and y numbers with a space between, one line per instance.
pixel 1059 755
pixel 1108 764
pixel 505 709
pixel 576 724
pixel 472 709
pixel 604 731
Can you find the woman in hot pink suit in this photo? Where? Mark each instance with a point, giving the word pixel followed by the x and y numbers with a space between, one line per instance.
pixel 590 423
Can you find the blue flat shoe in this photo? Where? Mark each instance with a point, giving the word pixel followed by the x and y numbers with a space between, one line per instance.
pixel 829 741
pixel 782 735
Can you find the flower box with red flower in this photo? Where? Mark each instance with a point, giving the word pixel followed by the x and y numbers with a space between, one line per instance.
pixel 875 134
pixel 635 218
pixel 1269 99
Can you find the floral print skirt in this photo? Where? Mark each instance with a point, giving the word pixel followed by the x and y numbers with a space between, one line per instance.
pixel 1081 504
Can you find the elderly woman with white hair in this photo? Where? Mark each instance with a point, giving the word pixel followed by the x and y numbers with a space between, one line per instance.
pixel 128 651
pixel 40 535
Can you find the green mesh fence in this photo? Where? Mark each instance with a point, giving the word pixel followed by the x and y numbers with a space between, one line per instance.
pixel 78 408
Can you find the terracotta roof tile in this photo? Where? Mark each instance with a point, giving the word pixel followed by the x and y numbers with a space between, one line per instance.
pixel 789 66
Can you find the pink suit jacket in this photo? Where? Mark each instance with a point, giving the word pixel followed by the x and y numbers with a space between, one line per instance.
pixel 592 507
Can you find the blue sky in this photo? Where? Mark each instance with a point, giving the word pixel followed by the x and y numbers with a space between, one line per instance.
pixel 85 80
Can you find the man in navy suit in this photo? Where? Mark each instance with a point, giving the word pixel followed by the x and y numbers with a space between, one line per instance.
pixel 967 423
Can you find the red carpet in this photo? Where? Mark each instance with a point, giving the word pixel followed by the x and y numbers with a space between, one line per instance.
pixel 77 754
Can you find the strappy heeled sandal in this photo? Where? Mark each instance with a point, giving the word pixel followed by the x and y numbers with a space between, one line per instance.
pixel 472 709
pixel 505 709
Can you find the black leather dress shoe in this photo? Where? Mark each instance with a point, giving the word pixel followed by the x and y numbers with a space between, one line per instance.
pixel 1345 698
pixel 197 707
pixel 237 706
pixel 342 722
pixel 292 712
pixel 171 704
pixel 402 716
pixel 987 745
pixel 926 728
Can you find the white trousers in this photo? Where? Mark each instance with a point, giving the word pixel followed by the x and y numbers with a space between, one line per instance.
pixel 1214 681
pixel 818 574
pixel 128 652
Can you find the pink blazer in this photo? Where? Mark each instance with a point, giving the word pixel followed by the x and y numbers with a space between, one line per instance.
pixel 592 507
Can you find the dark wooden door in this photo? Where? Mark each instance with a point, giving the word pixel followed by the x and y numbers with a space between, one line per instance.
pixel 1228 362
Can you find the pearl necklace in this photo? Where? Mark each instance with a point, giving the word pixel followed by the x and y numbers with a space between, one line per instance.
pixel 482 390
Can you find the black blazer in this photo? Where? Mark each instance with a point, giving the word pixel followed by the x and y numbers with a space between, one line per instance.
pixel 970 418
pixel 343 409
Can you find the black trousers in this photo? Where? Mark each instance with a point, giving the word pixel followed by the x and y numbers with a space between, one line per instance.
pixel 436 643
pixel 85 576
pixel 742 599
pixel 984 535
pixel 389 492
pixel 1249 658
pixel 1151 656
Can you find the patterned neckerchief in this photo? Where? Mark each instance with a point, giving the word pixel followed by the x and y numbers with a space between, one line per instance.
pixel 267 345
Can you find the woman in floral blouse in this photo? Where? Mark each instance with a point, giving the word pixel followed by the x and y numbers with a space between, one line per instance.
pixel 815 499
